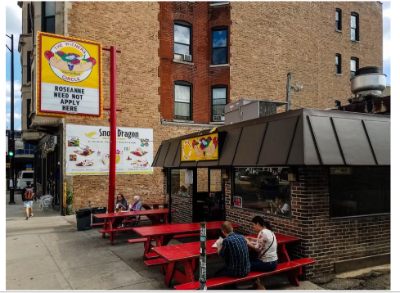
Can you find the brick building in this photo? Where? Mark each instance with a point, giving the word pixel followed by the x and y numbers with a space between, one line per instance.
pixel 181 62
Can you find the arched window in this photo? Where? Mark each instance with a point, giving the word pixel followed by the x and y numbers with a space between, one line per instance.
pixel 183 40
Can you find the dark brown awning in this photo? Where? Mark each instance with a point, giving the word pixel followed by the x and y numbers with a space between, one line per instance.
pixel 295 138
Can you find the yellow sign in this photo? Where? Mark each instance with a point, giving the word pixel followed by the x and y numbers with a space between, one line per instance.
pixel 68 76
pixel 202 148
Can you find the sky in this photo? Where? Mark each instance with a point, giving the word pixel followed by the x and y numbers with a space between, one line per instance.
pixel 13 26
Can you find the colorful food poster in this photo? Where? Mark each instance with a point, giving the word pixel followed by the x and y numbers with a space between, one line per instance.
pixel 69 76
pixel 88 147
pixel 202 148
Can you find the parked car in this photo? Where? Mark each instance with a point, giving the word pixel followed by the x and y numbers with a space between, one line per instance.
pixel 24 177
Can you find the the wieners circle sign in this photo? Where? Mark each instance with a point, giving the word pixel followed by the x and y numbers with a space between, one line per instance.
pixel 69 76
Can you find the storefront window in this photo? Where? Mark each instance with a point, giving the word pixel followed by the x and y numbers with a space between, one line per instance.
pixel 263 189
pixel 181 182
pixel 359 191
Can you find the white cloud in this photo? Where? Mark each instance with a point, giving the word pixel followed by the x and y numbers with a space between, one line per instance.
pixel 17 121
pixel 386 49
pixel 13 19
pixel 17 91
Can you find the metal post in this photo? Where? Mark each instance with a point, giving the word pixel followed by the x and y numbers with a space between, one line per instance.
pixel 12 161
pixel 288 87
pixel 203 257
pixel 113 127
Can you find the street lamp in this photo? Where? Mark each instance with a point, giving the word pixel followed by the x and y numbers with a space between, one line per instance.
pixel 12 150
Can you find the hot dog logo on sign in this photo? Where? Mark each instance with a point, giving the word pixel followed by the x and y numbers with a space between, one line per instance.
pixel 69 76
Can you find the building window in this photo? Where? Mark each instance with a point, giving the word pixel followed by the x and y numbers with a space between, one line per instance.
pixel 338 63
pixel 265 190
pixel 28 66
pixel 219 46
pixel 183 100
pixel 219 98
pixel 49 17
pixel 338 18
pixel 183 41
pixel 354 63
pixel 354 27
pixel 218 3
pixel 29 21
pixel 359 191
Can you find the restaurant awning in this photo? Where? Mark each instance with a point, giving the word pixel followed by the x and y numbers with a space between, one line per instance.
pixel 294 138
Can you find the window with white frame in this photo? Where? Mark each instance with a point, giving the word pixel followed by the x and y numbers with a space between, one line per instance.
pixel 182 41
pixel 183 100
pixel 219 99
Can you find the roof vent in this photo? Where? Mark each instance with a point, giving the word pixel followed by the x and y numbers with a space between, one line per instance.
pixel 368 81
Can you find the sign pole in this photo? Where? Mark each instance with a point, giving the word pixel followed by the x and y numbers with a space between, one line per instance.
pixel 203 256
pixel 12 139
pixel 113 127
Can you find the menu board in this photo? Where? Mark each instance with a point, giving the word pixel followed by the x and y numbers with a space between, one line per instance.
pixel 88 148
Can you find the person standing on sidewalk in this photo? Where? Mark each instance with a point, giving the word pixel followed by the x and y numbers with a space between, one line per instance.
pixel 27 198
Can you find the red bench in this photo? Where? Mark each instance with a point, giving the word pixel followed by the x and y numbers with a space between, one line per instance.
pixel 292 268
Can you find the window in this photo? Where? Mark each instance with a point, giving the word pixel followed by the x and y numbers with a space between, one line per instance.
pixel 219 94
pixel 354 27
pixel 219 46
pixel 49 17
pixel 354 63
pixel 182 39
pixel 183 101
pixel 266 190
pixel 29 21
pixel 28 66
pixel 218 3
pixel 359 191
pixel 338 63
pixel 338 18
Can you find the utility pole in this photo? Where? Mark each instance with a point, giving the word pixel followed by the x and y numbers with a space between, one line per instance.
pixel 12 149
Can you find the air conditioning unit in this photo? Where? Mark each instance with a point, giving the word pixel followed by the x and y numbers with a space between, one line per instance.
pixel 187 58
pixel 218 118
pixel 183 57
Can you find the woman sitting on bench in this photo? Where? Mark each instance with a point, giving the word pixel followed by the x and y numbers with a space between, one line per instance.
pixel 263 249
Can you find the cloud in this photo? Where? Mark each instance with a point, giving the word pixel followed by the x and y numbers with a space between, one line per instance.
pixel 386 15
pixel 17 91
pixel 17 121
pixel 13 19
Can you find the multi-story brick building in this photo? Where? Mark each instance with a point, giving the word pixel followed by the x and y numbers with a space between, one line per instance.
pixel 180 62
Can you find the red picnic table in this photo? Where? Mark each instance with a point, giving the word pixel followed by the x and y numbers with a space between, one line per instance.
pixel 162 234
pixel 109 219
pixel 188 254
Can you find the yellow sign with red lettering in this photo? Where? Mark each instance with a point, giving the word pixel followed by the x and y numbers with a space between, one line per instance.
pixel 69 76
pixel 201 148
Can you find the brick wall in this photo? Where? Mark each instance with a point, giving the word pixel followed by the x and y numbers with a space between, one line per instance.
pixel 133 27
pixel 323 238
pixel 198 73
pixel 300 37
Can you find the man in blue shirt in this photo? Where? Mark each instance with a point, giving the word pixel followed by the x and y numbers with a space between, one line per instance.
pixel 235 253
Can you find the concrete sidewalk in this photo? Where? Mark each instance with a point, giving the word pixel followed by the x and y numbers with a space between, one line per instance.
pixel 46 252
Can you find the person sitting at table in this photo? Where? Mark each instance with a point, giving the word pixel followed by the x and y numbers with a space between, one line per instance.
pixel 235 253
pixel 137 204
pixel 263 255
pixel 121 203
